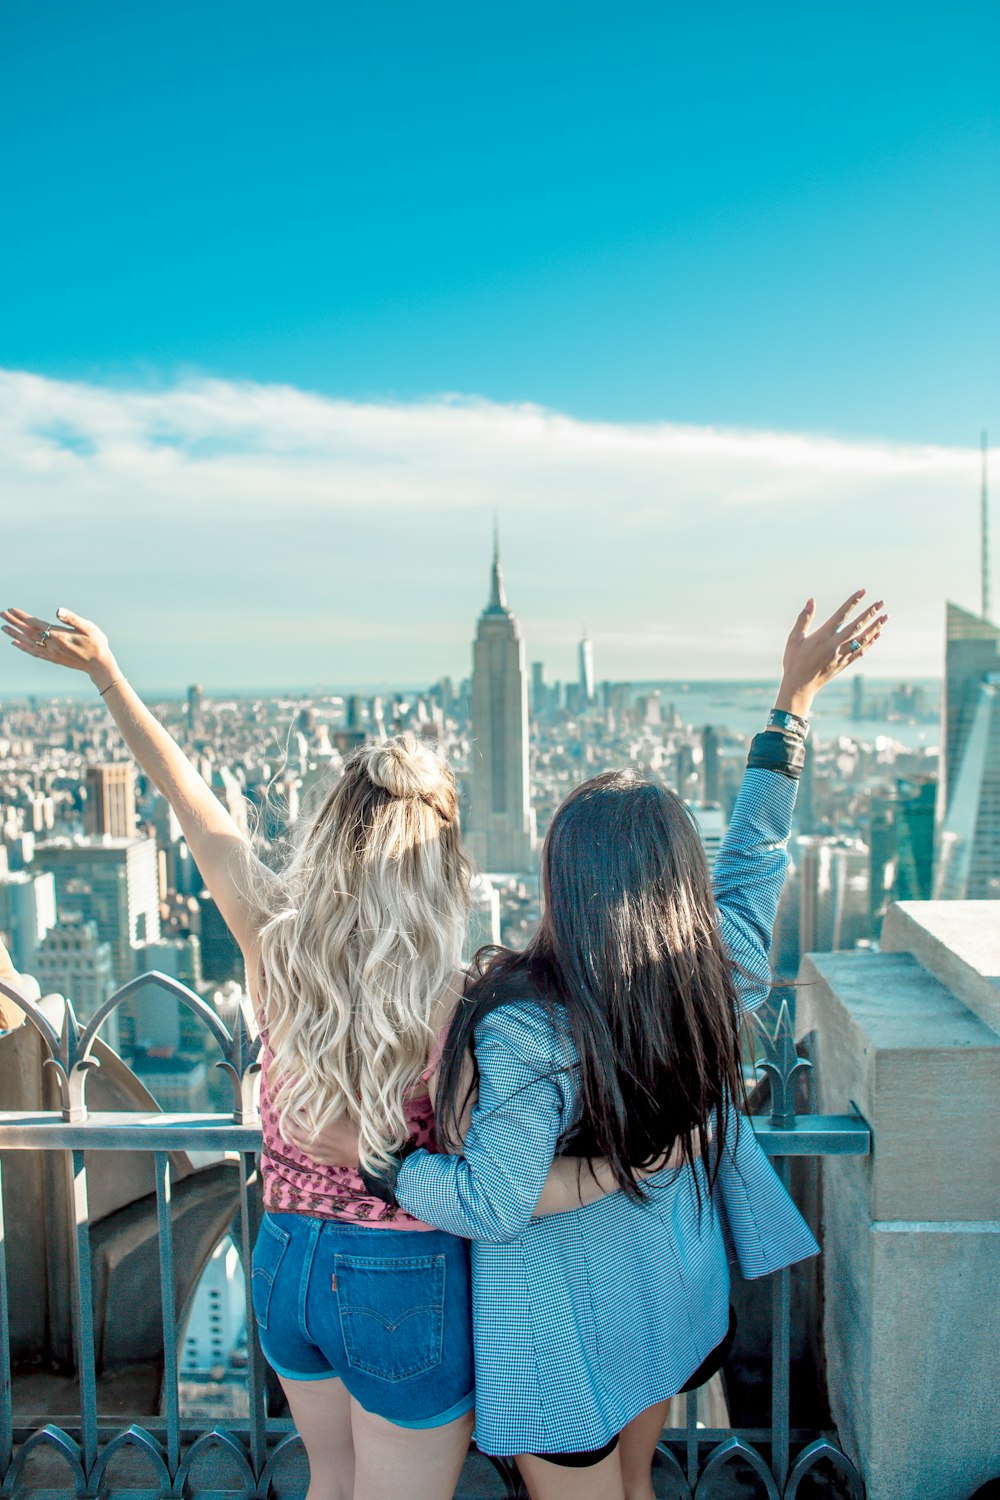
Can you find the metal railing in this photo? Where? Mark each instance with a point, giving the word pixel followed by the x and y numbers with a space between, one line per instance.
pixel 259 1445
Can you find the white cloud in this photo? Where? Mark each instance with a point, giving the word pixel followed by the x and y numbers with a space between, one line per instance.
pixel 249 533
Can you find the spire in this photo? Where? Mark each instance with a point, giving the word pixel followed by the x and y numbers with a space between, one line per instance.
pixel 984 535
pixel 498 599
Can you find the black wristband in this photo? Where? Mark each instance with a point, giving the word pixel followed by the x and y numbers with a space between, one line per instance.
pixel 382 1184
pixel 780 751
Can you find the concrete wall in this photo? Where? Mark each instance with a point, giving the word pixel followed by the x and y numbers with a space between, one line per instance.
pixel 911 1235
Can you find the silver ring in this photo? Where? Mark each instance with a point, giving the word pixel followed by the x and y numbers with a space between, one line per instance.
pixel 854 645
pixel 45 635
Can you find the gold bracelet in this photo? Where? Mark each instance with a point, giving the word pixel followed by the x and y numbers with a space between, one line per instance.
pixel 111 685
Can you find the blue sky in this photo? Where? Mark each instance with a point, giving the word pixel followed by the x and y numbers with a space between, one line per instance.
pixel 771 219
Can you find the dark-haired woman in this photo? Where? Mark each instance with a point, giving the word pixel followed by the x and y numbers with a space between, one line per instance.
pixel 616 1034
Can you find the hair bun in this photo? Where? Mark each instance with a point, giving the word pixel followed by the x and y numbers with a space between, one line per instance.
pixel 408 767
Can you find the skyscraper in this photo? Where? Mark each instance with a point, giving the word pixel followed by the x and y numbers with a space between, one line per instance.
pixel 111 800
pixel 968 856
pixel 587 669
pixel 711 765
pixel 110 881
pixel 967 864
pixel 972 652
pixel 27 912
pixel 74 961
pixel 501 833
pixel 194 705
pixel 539 692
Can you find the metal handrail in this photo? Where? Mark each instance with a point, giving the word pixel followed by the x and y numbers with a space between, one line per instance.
pixel 172 1445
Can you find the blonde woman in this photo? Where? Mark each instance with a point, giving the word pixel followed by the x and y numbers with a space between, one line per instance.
pixel 351 952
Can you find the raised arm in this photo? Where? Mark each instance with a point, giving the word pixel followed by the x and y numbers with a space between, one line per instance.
pixel 751 864
pixel 217 844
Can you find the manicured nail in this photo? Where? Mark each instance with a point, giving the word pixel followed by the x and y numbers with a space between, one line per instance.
pixel 60 612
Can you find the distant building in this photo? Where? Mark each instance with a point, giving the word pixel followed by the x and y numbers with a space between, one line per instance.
pixel 178 1082
pixel 804 817
pixel 110 807
pixel 968 864
pixel 711 820
pixel 501 832
pixel 857 699
pixel 539 692
pixel 587 669
pixel 711 769
pixel 972 652
pixel 216 1324
pixel 151 1018
pixel 221 957
pixel 27 912
pixel 110 881
pixel 483 926
pixel 72 960
pixel 194 705
pixel 968 846
pixel 834 911
pixel 902 846
pixel 685 771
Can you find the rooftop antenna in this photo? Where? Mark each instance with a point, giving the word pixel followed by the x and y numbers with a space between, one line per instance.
pixel 984 531
pixel 498 598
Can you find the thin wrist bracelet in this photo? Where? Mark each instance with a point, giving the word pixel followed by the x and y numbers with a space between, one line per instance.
pixel 117 682
pixel 779 718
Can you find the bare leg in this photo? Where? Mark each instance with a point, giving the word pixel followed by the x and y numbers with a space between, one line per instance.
pixel 547 1481
pixel 420 1464
pixel 637 1445
pixel 321 1411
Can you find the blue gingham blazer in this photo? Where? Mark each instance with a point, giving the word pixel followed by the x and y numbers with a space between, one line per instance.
pixel 583 1319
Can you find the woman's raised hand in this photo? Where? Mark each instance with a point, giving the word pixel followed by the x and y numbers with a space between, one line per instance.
pixel 82 647
pixel 815 655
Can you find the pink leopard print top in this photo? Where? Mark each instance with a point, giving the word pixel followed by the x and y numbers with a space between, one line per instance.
pixel 296 1184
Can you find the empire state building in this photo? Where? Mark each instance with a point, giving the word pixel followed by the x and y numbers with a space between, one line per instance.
pixel 501 835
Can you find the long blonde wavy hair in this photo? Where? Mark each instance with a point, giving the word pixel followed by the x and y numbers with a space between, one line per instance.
pixel 362 936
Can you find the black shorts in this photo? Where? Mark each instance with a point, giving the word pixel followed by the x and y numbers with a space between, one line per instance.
pixel 708 1367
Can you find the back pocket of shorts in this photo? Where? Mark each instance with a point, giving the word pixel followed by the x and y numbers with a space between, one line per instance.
pixel 391 1313
pixel 272 1242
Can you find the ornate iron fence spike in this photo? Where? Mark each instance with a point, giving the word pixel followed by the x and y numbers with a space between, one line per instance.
pixel 782 1065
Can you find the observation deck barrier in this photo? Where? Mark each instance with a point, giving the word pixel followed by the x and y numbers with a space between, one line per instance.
pixel 182 1455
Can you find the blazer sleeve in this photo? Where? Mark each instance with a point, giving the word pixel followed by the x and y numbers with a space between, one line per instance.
pixel 749 875
pixel 490 1192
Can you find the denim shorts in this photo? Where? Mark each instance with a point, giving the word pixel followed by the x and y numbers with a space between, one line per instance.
pixel 387 1311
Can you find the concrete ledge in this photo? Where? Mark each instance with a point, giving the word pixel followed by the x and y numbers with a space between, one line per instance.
pixel 923 1070
pixel 956 941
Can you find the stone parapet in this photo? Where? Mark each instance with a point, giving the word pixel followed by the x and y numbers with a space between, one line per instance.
pixel 911 1235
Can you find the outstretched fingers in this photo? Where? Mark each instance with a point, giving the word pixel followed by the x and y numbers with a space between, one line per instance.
pixel 862 622
pixel 21 620
pixel 836 620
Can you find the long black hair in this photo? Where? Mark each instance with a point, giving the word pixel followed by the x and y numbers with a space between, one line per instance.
pixel 629 949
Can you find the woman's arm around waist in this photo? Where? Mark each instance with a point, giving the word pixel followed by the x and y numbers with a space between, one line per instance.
pixel 526 1087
